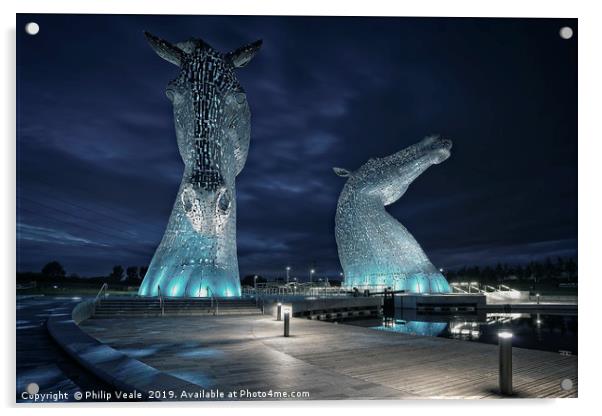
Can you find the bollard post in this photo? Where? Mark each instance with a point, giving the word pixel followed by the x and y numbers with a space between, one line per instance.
pixel 279 312
pixel 505 343
pixel 537 296
pixel 287 320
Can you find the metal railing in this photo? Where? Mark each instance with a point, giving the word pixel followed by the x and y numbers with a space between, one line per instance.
pixel 471 287
pixel 302 289
pixel 214 301
pixel 501 292
pixel 161 301
pixel 98 298
pixel 325 291
pixel 103 289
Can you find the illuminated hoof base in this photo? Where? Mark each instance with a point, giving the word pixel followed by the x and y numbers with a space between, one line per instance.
pixel 191 285
pixel 420 283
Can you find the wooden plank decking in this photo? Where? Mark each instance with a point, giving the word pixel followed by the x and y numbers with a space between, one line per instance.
pixel 329 361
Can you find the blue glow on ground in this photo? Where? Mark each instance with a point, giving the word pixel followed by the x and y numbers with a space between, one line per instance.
pixel 138 352
pixel 201 353
pixel 195 377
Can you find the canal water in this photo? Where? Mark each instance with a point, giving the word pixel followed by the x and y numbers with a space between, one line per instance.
pixel 547 332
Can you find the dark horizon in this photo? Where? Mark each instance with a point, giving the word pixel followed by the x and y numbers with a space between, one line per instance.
pixel 98 167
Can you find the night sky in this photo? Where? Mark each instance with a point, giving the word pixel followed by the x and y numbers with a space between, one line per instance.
pixel 98 168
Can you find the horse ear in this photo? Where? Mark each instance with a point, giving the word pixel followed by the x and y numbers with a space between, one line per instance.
pixel 243 55
pixel 165 50
pixel 343 173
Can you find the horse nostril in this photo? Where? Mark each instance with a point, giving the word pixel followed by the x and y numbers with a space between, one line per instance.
pixel 223 202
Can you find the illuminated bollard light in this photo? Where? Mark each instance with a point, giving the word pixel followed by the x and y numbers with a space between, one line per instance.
pixel 279 312
pixel 505 343
pixel 287 323
pixel 537 296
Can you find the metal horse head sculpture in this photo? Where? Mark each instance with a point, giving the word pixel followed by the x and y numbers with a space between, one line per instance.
pixel 197 255
pixel 375 250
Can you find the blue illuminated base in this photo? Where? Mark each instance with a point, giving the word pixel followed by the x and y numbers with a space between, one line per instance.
pixel 191 283
pixel 416 283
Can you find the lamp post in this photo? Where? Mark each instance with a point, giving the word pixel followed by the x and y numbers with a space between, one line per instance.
pixel 288 269
pixel 505 343
pixel 311 275
pixel 287 322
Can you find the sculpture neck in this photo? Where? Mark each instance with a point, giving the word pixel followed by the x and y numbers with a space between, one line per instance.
pixel 365 217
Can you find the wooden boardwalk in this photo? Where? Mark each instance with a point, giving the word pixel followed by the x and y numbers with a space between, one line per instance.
pixel 328 361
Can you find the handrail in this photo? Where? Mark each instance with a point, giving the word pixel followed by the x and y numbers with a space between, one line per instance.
pixel 103 288
pixel 161 302
pixel 213 298
pixel 508 288
pixel 98 297
pixel 301 290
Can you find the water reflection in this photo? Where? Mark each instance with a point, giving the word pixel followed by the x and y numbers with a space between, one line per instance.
pixel 430 329
pixel 549 332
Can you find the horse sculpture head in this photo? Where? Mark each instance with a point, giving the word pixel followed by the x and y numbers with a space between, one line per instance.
pixel 375 250
pixel 388 178
pixel 197 254
pixel 212 122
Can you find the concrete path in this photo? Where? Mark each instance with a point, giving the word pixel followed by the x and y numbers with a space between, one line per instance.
pixel 326 360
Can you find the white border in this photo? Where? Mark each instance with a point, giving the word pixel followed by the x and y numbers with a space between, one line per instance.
pixel 590 209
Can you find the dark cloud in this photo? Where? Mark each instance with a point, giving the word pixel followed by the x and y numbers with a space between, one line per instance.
pixel 98 166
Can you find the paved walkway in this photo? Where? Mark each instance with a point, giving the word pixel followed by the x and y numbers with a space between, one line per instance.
pixel 329 361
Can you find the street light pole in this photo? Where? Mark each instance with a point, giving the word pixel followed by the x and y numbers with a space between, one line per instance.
pixel 288 269
pixel 311 275
pixel 287 323
pixel 505 362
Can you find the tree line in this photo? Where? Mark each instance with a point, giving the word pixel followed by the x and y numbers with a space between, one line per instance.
pixel 549 270
pixel 55 272
pixel 559 269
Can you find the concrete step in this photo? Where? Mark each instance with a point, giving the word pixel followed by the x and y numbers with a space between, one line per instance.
pixel 166 306
pixel 101 315
pixel 176 303
pixel 140 307
pixel 172 306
